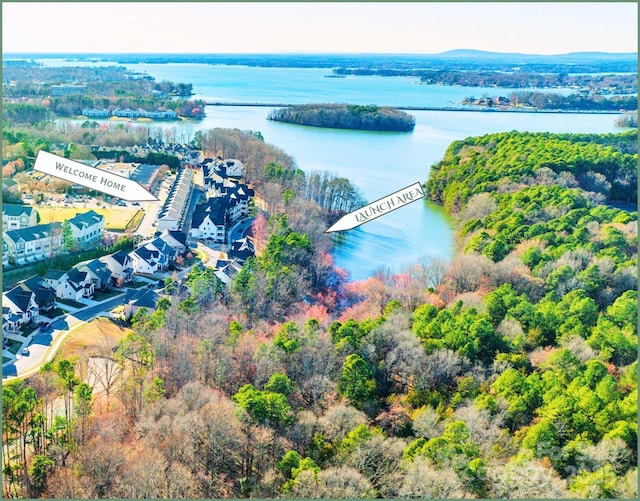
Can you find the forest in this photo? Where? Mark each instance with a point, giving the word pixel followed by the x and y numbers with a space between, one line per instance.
pixel 346 116
pixel 509 372
pixel 29 98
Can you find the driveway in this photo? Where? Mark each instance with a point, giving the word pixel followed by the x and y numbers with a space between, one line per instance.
pixel 45 344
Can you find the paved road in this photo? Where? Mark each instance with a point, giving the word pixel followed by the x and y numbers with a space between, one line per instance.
pixel 239 230
pixel 45 344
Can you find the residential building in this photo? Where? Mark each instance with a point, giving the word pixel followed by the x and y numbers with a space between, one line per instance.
pixel 87 228
pixel 33 243
pixel 242 249
pixel 95 113
pixel 167 253
pixel 75 285
pixel 66 90
pixel 54 277
pixel 99 273
pixel 45 295
pixel 145 260
pixel 176 205
pixel 226 269
pixel 15 217
pixel 11 323
pixel 176 239
pixel 22 304
pixel 209 221
pixel 142 298
pixel 121 266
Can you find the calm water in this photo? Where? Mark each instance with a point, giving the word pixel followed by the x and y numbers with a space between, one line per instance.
pixel 378 163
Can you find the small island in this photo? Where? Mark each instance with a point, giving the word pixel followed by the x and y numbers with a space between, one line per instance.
pixel 346 116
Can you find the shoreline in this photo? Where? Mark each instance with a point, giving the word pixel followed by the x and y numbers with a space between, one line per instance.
pixel 438 108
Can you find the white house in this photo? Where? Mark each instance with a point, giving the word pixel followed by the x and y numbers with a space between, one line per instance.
pixel 121 266
pixel 145 260
pixel 15 217
pixel 33 243
pixel 22 306
pixel 209 221
pixel 75 285
pixel 99 273
pixel 167 255
pixel 176 239
pixel 87 228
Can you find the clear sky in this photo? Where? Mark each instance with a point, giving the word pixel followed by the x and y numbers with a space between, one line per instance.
pixel 535 28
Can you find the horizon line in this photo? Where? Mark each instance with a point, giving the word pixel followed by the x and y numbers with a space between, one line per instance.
pixel 313 52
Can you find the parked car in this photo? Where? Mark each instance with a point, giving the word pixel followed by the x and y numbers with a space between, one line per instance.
pixel 25 350
pixel 45 326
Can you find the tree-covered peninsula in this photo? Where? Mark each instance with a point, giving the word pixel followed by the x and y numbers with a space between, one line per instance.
pixel 510 372
pixel 346 116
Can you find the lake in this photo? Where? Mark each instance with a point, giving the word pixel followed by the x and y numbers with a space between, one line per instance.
pixel 377 162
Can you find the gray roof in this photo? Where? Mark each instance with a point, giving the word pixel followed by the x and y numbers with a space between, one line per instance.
pixel 19 297
pixel 213 208
pixel 43 291
pixel 15 210
pixel 145 298
pixel 54 274
pixel 32 232
pixel 144 173
pixel 85 219
pixel 98 268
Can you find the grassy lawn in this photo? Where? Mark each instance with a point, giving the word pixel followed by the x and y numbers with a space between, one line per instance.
pixel 87 341
pixel 53 313
pixel 71 303
pixel 13 346
pixel 115 218
pixel 101 295
pixel 135 221
pixel 5 360
pixel 136 284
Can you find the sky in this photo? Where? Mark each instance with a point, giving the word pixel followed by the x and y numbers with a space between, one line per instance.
pixel 418 28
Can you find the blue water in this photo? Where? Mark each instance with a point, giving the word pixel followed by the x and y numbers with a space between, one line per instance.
pixel 378 163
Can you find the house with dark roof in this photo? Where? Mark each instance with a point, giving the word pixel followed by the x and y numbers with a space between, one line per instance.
pixel 176 239
pixel 145 260
pixel 87 228
pixel 237 201
pixel 75 285
pixel 54 277
pixel 209 221
pixel 11 323
pixel 242 249
pixel 167 254
pixel 21 304
pixel 45 294
pixel 142 298
pixel 121 266
pixel 33 243
pixel 226 269
pixel 99 273
pixel 16 216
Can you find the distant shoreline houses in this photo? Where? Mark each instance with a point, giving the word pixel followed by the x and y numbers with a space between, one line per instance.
pixel 129 113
